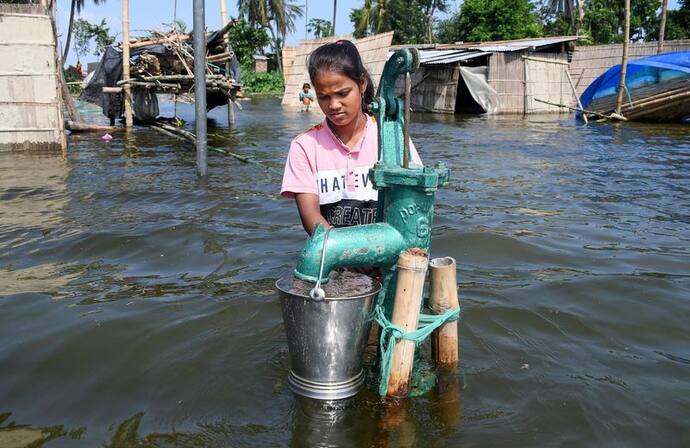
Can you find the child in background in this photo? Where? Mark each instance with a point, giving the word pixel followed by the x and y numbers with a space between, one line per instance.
pixel 327 167
pixel 306 97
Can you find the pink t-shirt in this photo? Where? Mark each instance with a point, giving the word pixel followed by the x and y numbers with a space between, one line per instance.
pixel 319 163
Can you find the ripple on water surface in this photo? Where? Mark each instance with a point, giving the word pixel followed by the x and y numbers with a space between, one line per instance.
pixel 138 304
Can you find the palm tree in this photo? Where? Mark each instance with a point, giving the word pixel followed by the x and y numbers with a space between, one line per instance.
pixel 373 17
pixel 277 15
pixel 429 8
pixel 320 27
pixel 568 8
pixel 76 5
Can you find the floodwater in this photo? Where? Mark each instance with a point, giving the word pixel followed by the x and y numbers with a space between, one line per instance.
pixel 138 304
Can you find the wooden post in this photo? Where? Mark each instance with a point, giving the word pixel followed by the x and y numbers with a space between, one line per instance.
pixel 662 26
pixel 525 106
pixel 125 63
pixel 443 297
pixel 223 20
pixel 412 267
pixel 624 62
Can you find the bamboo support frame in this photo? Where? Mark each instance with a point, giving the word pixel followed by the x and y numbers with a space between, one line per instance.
pixel 443 297
pixel 412 267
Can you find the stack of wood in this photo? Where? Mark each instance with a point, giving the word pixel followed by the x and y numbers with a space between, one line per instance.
pixel 164 63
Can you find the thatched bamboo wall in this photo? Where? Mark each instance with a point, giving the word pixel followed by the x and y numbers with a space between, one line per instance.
pixel 590 62
pixel 547 81
pixel 30 101
pixel 373 50
pixel 507 77
pixel 288 60
pixel 434 88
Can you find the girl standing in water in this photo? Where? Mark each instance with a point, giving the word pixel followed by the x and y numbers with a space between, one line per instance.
pixel 327 167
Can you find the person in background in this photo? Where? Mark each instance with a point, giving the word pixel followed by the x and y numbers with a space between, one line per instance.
pixel 306 97
pixel 327 167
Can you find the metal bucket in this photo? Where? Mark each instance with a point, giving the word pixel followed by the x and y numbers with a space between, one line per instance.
pixel 327 339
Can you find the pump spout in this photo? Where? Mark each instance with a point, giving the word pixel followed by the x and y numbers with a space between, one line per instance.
pixel 376 244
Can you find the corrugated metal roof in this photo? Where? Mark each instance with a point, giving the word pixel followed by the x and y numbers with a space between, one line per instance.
pixel 496 46
pixel 432 57
pixel 521 44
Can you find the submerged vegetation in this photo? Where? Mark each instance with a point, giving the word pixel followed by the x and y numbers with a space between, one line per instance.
pixel 267 82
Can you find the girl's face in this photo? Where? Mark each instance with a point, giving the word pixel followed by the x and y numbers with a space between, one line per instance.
pixel 339 97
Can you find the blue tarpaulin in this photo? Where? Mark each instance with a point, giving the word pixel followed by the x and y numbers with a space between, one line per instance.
pixel 640 72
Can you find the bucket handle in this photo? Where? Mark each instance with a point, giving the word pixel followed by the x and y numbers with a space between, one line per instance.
pixel 317 293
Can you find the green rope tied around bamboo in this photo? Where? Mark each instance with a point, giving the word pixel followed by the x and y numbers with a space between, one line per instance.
pixel 390 334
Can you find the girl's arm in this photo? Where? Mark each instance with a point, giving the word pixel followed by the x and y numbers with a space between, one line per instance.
pixel 310 211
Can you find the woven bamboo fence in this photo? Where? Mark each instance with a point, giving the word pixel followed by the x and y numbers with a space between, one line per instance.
pixel 373 50
pixel 547 80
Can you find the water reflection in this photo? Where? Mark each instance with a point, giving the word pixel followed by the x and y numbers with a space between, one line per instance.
pixel 571 250
pixel 17 435
pixel 33 200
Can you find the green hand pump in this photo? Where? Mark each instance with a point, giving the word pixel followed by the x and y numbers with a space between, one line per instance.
pixel 406 197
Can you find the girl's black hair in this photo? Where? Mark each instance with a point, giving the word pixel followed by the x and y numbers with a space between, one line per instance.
pixel 342 57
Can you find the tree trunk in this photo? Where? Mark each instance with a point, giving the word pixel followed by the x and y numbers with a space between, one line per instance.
pixel 581 16
pixel 624 62
pixel 279 54
pixel 662 26
pixel 430 26
pixel 65 51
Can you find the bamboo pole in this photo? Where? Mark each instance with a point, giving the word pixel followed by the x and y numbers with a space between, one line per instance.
pixel 412 267
pixel 223 18
pixel 613 116
pixel 443 297
pixel 662 26
pixel 624 62
pixel 51 11
pixel 577 98
pixel 125 63
pixel 159 40
pixel 87 127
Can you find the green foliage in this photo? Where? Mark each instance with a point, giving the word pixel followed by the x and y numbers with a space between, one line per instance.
pixel 85 32
pixel 486 20
pixel 71 75
pixel 247 40
pixel 277 16
pixel 602 22
pixel 678 22
pixel 268 82
pixel 320 27
pixel 405 17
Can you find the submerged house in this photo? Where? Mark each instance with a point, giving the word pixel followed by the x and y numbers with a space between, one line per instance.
pixel 505 77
